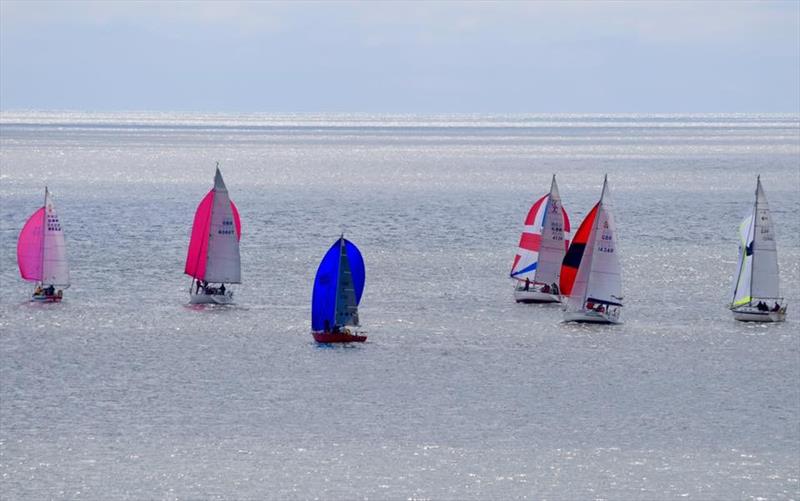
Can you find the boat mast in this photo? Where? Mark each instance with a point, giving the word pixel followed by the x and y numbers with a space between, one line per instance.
pixel 211 215
pixel 338 277
pixel 44 233
pixel 545 219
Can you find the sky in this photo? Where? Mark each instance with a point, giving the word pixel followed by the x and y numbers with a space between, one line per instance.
pixel 401 57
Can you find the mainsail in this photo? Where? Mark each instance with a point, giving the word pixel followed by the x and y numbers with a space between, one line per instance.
pixel 214 246
pixel 338 287
pixel 346 305
pixel 765 254
pixel 544 240
pixel 41 248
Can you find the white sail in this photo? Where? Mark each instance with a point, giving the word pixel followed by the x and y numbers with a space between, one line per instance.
pixel 552 247
pixel 223 263
pixel 605 277
pixel 346 307
pixel 764 283
pixel 55 269
pixel 741 281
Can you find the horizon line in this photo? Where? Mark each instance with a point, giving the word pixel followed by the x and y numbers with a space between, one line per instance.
pixel 386 112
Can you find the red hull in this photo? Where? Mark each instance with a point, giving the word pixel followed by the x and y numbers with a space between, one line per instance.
pixel 337 337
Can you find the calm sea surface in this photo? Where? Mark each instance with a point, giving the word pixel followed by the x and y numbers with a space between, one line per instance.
pixel 123 391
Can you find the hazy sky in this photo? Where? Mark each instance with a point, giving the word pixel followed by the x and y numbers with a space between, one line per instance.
pixel 401 56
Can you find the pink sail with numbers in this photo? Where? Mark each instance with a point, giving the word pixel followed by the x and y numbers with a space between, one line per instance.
pixel 41 249
pixel 214 246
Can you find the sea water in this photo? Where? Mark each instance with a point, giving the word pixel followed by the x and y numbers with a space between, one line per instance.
pixel 124 391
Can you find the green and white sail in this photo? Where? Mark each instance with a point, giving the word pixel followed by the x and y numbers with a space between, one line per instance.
pixel 757 274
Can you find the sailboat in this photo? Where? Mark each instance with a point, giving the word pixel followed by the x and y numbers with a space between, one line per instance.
pixel 590 273
pixel 338 286
pixel 755 286
pixel 542 245
pixel 42 253
pixel 213 257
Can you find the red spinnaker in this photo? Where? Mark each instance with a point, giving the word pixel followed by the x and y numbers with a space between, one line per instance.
pixel 572 259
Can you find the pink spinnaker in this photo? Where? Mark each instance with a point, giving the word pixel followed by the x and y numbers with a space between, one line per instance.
pixel 30 247
pixel 197 257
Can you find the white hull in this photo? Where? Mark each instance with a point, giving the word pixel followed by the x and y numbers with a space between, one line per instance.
pixel 226 298
pixel 533 296
pixel 591 316
pixel 759 316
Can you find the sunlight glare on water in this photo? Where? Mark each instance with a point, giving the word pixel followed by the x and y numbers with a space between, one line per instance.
pixel 124 391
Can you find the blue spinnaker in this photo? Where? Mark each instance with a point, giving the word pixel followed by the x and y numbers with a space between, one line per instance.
pixel 326 283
